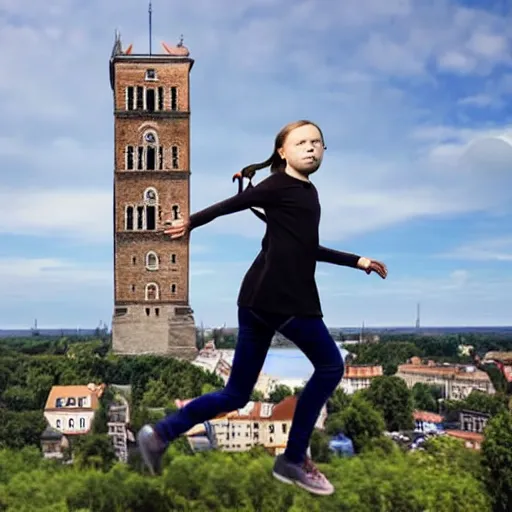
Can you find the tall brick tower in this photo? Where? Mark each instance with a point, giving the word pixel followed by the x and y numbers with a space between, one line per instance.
pixel 151 184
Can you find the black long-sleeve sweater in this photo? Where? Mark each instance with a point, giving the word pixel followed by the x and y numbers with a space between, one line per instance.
pixel 282 277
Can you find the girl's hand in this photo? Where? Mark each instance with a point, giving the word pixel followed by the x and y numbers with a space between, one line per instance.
pixel 370 266
pixel 176 228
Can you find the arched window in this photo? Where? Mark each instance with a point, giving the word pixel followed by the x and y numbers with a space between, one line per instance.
pixel 176 215
pixel 152 291
pixel 152 152
pixel 173 289
pixel 151 196
pixel 82 422
pixel 71 423
pixel 58 423
pixel 152 261
pixel 150 202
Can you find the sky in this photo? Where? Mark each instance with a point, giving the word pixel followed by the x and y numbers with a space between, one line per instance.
pixel 414 102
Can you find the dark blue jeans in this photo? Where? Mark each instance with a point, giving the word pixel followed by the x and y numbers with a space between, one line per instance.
pixel 256 330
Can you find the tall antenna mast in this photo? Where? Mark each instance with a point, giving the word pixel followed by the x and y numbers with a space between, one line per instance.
pixel 150 11
pixel 418 315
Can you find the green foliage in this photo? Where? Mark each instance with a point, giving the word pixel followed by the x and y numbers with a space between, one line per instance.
pixel 476 401
pixel 26 380
pixel 424 397
pixel 18 429
pixel 497 460
pixel 216 481
pixel 389 355
pixel 257 396
pixel 338 401
pixel 319 444
pixel 360 421
pixel 393 399
pixel 280 393
pixel 94 451
pixel 452 454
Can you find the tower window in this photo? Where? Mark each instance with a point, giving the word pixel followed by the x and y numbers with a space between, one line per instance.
pixel 150 217
pixel 140 217
pixel 150 74
pixel 140 157
pixel 174 98
pixel 175 159
pixel 134 258
pixel 173 289
pixel 140 98
pixel 151 261
pixel 175 212
pixel 150 196
pixel 129 218
pixel 130 98
pixel 150 158
pixel 129 157
pixel 160 157
pixel 133 288
pixel 160 98
pixel 173 259
pixel 150 99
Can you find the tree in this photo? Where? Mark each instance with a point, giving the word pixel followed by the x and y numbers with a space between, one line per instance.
pixel 423 397
pixel 497 460
pixel 280 393
pixel 390 395
pixel 94 450
pixel 319 444
pixel 257 396
pixel 338 401
pixel 361 422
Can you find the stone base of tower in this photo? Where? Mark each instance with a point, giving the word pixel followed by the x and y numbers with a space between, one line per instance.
pixel 165 330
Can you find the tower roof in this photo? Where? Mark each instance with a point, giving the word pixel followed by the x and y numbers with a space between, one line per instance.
pixel 177 53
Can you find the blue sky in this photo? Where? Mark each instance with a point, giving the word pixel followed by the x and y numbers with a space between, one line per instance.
pixel 414 102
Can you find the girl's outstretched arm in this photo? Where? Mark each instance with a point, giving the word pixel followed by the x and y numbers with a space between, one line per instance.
pixel 347 259
pixel 262 195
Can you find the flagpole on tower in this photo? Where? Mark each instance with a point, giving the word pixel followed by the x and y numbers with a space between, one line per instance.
pixel 150 11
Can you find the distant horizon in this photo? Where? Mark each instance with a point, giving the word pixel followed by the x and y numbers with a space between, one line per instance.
pixel 352 328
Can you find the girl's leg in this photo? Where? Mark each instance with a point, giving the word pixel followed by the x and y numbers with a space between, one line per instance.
pixel 254 338
pixel 312 337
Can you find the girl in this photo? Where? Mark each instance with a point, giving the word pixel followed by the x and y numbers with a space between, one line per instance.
pixel 278 293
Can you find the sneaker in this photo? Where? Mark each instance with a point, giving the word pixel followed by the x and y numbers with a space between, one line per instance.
pixel 305 475
pixel 151 447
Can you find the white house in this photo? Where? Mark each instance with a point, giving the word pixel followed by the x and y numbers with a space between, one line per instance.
pixel 71 409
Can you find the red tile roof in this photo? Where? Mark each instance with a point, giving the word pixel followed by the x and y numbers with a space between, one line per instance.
pixel 431 417
pixel 466 436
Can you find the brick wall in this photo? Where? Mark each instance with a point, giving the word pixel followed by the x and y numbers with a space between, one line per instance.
pixel 175 74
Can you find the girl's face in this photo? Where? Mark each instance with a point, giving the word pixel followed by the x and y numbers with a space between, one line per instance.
pixel 303 149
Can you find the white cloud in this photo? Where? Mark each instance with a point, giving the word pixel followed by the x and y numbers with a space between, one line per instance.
pixel 492 249
pixel 81 215
pixel 457 61
pixel 49 278
pixel 478 100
